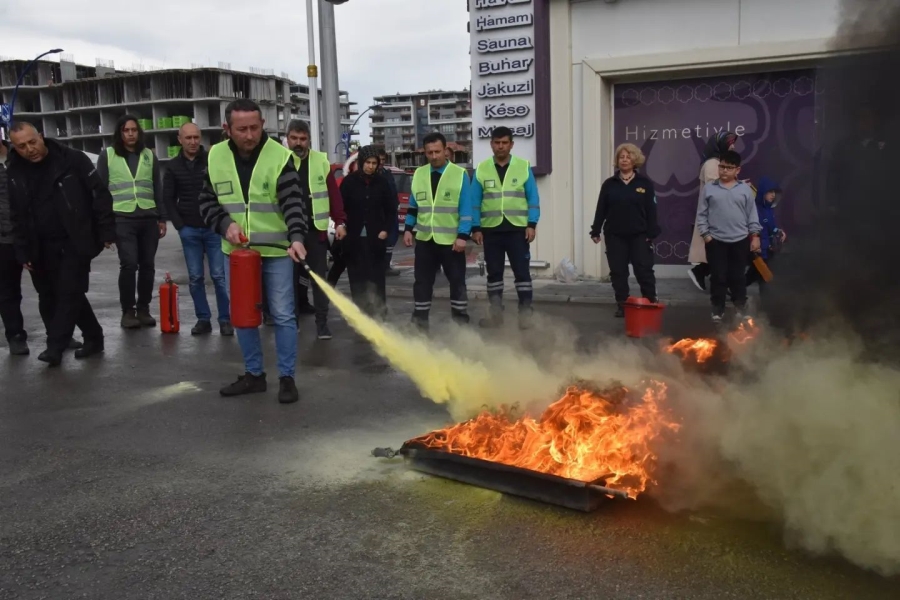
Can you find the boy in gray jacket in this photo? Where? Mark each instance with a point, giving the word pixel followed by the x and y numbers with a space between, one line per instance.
pixel 729 225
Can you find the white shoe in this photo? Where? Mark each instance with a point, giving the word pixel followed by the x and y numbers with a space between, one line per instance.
pixel 696 281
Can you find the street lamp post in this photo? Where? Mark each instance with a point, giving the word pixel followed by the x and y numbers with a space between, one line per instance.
pixel 352 127
pixel 12 104
pixel 331 103
pixel 312 71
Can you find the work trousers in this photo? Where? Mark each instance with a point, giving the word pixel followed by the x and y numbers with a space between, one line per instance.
pixel 430 258
pixel 136 240
pixel 11 294
pixel 366 270
pixel 197 242
pixel 638 251
pixel 317 259
pixel 279 293
pixel 498 245
pixel 728 268
pixel 61 279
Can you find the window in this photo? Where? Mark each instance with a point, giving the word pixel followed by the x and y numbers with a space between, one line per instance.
pixel 448 128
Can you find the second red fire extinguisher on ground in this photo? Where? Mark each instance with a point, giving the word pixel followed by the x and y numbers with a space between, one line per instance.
pixel 168 306
pixel 245 266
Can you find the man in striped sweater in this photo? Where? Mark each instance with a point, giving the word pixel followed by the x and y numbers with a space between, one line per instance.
pixel 252 190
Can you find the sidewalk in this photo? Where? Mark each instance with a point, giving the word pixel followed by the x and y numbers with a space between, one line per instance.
pixel 672 292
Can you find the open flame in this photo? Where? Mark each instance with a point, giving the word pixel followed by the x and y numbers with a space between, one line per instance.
pixel 702 349
pixel 585 435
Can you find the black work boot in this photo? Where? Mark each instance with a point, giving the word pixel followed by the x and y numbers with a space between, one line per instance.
pixel 53 358
pixel 491 321
pixel 145 318
pixel 130 320
pixel 526 318
pixel 90 348
pixel 287 391
pixel 620 311
pixel 226 328
pixel 322 331
pixel 201 328
pixel 245 384
pixel 420 323
pixel 18 345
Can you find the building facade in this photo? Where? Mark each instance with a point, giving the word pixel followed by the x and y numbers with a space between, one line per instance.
pixel 300 109
pixel 400 123
pixel 665 76
pixel 79 105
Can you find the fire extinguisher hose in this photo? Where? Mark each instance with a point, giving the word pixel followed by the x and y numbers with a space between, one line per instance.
pixel 279 246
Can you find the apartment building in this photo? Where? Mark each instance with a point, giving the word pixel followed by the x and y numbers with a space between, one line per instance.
pixel 79 105
pixel 300 108
pixel 401 122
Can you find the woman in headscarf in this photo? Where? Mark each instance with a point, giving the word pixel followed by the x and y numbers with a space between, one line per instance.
pixel 371 210
pixel 709 171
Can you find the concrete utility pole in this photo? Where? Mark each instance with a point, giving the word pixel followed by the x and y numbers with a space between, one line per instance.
pixel 331 101
pixel 312 72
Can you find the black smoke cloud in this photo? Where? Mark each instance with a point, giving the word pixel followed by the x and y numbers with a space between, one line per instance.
pixel 845 267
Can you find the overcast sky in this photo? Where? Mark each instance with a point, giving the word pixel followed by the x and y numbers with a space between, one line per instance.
pixel 384 46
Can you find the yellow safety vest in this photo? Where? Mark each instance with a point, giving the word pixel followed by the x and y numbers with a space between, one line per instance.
pixel 259 215
pixel 438 218
pixel 319 169
pixel 130 191
pixel 506 199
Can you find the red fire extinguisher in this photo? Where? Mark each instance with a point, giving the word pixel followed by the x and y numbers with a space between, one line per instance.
pixel 246 286
pixel 168 306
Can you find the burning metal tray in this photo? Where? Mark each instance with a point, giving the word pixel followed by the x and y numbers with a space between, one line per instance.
pixel 569 493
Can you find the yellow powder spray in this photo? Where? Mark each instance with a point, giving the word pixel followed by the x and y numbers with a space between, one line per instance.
pixel 440 375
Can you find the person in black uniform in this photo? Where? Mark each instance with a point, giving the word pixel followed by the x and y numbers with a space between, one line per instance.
pixel 62 217
pixel 626 215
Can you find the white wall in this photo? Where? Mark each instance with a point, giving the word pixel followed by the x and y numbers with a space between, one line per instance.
pixel 630 27
pixel 587 32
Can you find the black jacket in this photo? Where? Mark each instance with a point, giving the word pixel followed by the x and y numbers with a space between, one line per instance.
pixel 626 209
pixel 182 184
pixel 369 202
pixel 81 198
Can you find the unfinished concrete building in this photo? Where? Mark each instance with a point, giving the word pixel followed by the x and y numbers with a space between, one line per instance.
pixel 79 105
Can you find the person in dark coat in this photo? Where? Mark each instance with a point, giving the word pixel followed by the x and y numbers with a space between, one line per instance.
pixel 771 237
pixel 371 210
pixel 62 217
pixel 181 190
pixel 626 215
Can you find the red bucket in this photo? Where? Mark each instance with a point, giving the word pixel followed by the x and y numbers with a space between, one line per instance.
pixel 642 317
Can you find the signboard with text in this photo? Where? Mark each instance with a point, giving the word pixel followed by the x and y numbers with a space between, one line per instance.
pixel 510 77
pixel 773 115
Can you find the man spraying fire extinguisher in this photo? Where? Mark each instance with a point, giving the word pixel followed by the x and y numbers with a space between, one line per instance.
pixel 252 191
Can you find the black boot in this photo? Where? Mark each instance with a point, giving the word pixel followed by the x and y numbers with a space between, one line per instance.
pixel 90 348
pixel 287 391
pixel 245 384
pixel 201 328
pixel 144 318
pixel 18 345
pixel 53 358
pixel 620 311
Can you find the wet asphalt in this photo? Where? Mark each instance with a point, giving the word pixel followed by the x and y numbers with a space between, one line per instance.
pixel 127 476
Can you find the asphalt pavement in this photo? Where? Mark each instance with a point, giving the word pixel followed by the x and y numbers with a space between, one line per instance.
pixel 128 477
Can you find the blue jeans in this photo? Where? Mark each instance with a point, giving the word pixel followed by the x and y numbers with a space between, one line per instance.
pixel 196 242
pixel 278 281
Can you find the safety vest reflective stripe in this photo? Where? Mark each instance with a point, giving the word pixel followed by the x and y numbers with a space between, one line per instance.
pixel 259 216
pixel 319 169
pixel 129 191
pixel 438 215
pixel 450 210
pixel 507 199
